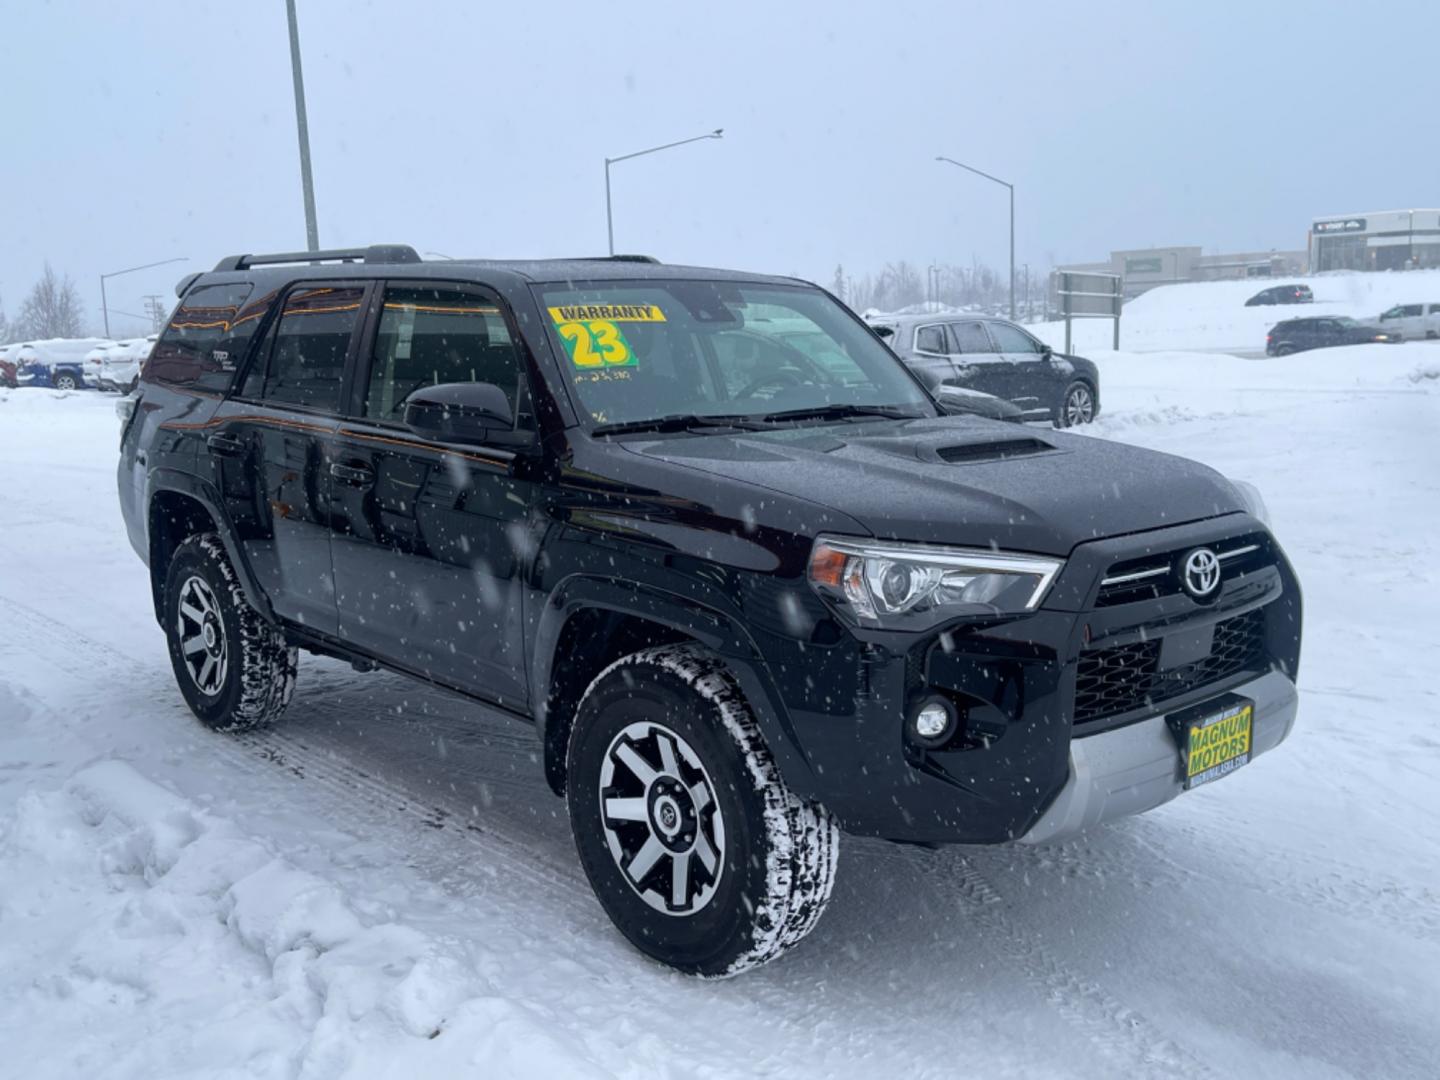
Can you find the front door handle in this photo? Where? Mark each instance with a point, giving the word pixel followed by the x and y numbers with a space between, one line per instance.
pixel 225 445
pixel 354 475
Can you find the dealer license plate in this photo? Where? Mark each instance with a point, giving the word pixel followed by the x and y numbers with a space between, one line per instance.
pixel 1215 739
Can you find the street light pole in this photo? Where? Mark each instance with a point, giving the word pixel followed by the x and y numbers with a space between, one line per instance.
pixel 609 219
pixel 1011 188
pixel 302 125
pixel 104 304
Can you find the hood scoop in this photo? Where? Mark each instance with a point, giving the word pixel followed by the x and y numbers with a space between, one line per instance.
pixel 994 450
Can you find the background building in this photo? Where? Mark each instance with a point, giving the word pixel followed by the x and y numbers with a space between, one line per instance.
pixel 1377 240
pixel 1144 268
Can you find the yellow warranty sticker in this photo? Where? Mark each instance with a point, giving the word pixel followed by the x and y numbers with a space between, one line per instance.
pixel 609 312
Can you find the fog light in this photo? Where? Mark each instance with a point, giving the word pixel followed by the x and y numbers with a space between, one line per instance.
pixel 933 723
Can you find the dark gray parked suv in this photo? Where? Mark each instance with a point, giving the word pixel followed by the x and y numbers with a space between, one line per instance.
pixel 996 357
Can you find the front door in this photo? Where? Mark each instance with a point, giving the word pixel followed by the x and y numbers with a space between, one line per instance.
pixel 1026 377
pixel 978 364
pixel 268 445
pixel 430 542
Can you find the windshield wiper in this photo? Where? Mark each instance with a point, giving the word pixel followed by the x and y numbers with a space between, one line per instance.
pixel 842 412
pixel 679 422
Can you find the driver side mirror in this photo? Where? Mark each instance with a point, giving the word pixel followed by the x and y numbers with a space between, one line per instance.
pixel 467 413
pixel 1046 352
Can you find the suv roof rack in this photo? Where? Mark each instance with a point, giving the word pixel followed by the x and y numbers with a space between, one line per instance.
pixel 375 253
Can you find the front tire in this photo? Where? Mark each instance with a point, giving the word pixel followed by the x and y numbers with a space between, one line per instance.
pixel 65 382
pixel 696 849
pixel 1077 405
pixel 233 667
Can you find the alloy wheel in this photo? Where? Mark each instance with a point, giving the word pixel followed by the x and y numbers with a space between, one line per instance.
pixel 202 635
pixel 1079 406
pixel 661 820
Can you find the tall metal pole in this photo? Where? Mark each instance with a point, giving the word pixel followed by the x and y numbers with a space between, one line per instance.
pixel 104 305
pixel 1011 187
pixel 609 226
pixel 609 220
pixel 312 231
pixel 1012 252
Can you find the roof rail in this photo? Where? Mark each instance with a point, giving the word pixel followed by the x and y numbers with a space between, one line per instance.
pixel 375 253
pixel 613 258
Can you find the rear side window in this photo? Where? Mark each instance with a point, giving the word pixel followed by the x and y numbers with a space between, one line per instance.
pixel 303 359
pixel 1412 309
pixel 971 338
pixel 204 340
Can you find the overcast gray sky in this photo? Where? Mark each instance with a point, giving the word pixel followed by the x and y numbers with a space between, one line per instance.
pixel 140 131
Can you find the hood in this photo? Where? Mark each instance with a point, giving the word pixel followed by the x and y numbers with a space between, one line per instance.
pixel 964 480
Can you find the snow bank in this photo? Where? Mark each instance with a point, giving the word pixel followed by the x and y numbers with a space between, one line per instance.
pixel 1212 314
pixel 164 940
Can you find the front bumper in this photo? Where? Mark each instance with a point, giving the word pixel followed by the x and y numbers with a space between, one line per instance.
pixel 1136 768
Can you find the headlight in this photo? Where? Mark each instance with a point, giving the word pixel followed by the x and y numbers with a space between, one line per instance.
pixel 1253 501
pixel 914 586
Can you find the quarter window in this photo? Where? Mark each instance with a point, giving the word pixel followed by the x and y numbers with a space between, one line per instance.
pixel 971 338
pixel 307 346
pixel 204 340
pixel 430 336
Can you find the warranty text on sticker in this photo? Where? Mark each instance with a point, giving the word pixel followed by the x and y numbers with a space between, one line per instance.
pixel 608 312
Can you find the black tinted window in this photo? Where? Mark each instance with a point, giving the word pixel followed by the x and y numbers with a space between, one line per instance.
pixel 306 347
pixel 971 338
pixel 432 336
pixel 204 340
pixel 931 339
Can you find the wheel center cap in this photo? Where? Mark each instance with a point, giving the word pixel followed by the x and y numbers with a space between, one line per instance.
pixel 209 633
pixel 672 814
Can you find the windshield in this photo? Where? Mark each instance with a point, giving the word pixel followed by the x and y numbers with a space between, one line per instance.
pixel 638 351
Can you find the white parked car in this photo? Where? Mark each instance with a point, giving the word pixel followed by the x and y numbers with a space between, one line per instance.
pixel 1413 322
pixel 94 359
pixel 120 366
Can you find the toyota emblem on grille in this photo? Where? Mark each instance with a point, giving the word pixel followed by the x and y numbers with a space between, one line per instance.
pixel 1201 573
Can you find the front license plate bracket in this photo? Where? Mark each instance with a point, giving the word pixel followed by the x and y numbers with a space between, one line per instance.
pixel 1214 738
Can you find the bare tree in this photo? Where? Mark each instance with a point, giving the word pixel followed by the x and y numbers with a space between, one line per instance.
pixel 4 327
pixel 52 310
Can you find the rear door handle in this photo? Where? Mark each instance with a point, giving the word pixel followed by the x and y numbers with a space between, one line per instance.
pixel 225 445
pixel 355 475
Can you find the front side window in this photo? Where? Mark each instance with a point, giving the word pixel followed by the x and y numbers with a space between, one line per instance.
pixel 1011 339
pixel 304 357
pixel 971 338
pixel 204 339
pixel 430 336
pixel 640 351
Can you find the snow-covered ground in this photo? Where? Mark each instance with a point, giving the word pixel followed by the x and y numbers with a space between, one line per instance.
pixel 383 885
pixel 1212 315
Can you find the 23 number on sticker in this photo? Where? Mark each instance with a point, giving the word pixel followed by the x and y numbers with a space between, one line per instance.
pixel 596 344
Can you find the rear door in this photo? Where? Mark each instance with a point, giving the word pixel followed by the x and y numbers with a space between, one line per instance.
pixel 1026 376
pixel 430 541
pixel 271 440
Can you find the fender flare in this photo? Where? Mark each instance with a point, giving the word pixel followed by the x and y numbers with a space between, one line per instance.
pixel 203 492
pixel 704 624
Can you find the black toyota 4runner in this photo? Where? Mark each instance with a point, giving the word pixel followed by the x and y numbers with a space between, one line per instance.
pixel 752 594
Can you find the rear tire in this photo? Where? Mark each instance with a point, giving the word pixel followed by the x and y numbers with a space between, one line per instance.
pixel 695 848
pixel 65 382
pixel 1284 350
pixel 233 668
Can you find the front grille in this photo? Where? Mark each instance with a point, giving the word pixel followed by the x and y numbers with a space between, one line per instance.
pixel 1125 677
pixel 1150 577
